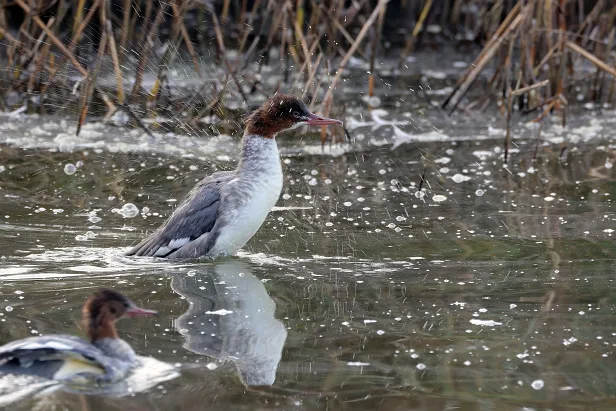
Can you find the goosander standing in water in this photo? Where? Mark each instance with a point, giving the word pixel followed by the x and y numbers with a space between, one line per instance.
pixel 223 211
pixel 105 359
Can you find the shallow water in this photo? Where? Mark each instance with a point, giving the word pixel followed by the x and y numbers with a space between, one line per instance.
pixel 491 288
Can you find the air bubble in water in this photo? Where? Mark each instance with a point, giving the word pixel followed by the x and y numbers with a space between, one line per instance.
pixel 70 169
pixel 537 384
pixel 459 178
pixel 128 210
pixel 9 308
pixel 479 192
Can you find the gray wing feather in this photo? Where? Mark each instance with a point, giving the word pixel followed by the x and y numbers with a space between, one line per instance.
pixel 194 219
pixel 44 355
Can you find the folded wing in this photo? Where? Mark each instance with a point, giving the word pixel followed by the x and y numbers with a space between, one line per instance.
pixel 58 357
pixel 193 220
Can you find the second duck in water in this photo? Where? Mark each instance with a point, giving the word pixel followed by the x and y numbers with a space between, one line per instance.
pixel 227 208
pixel 66 358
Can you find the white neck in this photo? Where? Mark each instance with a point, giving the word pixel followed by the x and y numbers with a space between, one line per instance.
pixel 258 153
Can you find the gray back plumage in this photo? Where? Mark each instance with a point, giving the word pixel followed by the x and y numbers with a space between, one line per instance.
pixel 194 219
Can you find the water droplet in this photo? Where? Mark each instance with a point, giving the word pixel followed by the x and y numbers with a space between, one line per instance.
pixel 439 198
pixel 9 308
pixel 479 192
pixel 211 366
pixel 70 169
pixel 537 384
pixel 421 366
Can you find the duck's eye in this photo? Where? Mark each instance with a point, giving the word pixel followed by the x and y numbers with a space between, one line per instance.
pixel 113 310
pixel 296 114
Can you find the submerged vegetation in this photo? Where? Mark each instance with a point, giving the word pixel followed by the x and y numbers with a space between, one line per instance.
pixel 533 54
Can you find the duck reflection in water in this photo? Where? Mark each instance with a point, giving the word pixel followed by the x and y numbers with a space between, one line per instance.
pixel 231 317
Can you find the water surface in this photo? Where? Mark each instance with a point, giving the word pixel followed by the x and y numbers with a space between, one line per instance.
pixel 491 288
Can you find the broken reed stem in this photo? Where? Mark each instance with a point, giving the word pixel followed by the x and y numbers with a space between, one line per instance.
pixel 590 57
pixel 529 88
pixel 116 62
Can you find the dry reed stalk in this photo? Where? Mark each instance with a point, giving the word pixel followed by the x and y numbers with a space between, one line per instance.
pixel 375 43
pixel 302 41
pixel 311 75
pixel 512 94
pixel 90 81
pixel 41 39
pixel 284 61
pixel 248 25
pixel 590 57
pixel 136 119
pixel 311 72
pixel 344 32
pixel 225 11
pixel 479 64
pixel 116 62
pixel 410 43
pixel 327 100
pixel 562 38
pixel 38 60
pixel 79 8
pixel 496 38
pixel 145 54
pixel 223 53
pixel 149 7
pixel 53 38
pixel 64 50
pixel 84 23
pixel 243 9
pixel 179 25
pixel 124 34
pixel 594 14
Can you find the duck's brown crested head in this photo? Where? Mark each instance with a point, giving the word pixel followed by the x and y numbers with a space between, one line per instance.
pixel 104 308
pixel 282 112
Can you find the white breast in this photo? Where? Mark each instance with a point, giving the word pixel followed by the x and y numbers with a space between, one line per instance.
pixel 255 193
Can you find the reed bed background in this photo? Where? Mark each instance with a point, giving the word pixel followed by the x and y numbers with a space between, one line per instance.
pixel 54 52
